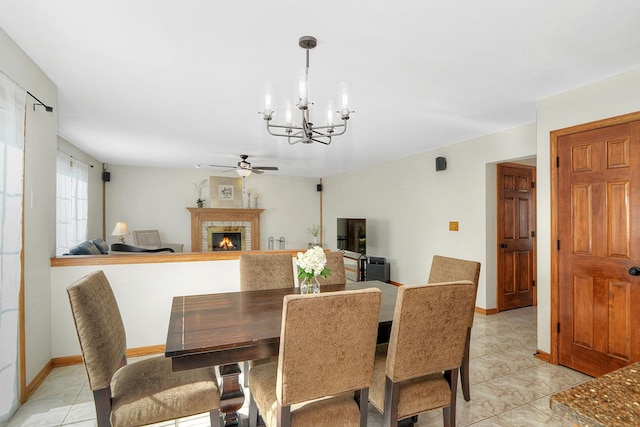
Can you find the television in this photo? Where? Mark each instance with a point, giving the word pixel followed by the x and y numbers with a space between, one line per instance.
pixel 352 235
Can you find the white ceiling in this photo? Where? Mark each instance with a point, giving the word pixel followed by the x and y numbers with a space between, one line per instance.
pixel 178 83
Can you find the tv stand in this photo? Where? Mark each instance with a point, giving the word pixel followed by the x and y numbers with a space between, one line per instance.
pixel 361 260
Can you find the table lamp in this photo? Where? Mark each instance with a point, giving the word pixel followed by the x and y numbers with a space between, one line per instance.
pixel 121 230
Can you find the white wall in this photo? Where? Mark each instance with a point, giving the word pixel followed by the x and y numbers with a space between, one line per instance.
pixel 39 203
pixel 408 206
pixel 612 97
pixel 154 198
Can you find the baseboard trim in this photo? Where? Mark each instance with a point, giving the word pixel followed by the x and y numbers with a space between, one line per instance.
pixel 539 354
pixel 33 385
pixel 486 311
pixel 131 352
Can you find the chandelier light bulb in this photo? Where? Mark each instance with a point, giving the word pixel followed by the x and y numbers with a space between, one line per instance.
pixel 331 111
pixel 267 100
pixel 303 89
pixel 287 113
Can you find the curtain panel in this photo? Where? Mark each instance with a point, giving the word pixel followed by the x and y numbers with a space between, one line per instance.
pixel 12 116
pixel 72 203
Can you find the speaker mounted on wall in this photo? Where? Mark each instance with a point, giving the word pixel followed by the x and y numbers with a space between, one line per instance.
pixel 441 163
pixel 106 176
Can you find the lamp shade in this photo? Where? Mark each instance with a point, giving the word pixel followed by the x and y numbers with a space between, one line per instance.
pixel 243 172
pixel 121 230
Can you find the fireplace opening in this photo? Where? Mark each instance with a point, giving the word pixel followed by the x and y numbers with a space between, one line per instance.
pixel 226 241
pixel 225 238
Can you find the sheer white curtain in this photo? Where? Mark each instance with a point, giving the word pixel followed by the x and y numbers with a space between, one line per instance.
pixel 12 113
pixel 71 202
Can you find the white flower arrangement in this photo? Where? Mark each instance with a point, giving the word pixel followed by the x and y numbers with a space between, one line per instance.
pixel 312 263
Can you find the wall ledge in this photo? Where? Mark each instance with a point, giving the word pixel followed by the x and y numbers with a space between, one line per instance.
pixel 155 258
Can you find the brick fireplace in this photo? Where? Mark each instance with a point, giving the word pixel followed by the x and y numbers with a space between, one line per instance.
pixel 203 220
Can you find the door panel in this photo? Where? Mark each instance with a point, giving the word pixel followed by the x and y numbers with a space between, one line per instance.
pixel 598 226
pixel 516 256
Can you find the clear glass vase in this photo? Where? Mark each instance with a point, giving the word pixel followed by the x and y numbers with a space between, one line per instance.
pixel 309 285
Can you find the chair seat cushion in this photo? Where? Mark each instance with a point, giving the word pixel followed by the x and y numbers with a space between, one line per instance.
pixel 340 410
pixel 147 392
pixel 416 395
pixel 259 362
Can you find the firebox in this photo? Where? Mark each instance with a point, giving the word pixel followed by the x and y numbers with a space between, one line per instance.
pixel 226 241
pixel 226 238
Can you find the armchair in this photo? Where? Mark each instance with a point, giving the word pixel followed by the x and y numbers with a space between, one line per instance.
pixel 150 239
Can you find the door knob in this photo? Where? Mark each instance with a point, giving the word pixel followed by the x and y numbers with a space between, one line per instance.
pixel 634 271
pixel 504 246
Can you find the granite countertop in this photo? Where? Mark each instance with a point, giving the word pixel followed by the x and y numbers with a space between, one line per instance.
pixel 610 400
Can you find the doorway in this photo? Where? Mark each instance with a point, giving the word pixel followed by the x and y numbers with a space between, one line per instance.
pixel 516 252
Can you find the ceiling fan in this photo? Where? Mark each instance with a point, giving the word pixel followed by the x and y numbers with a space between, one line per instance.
pixel 244 168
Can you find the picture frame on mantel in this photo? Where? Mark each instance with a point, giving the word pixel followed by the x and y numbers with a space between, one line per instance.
pixel 225 192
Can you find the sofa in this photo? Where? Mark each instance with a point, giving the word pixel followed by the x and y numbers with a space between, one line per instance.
pixel 90 247
pixel 100 247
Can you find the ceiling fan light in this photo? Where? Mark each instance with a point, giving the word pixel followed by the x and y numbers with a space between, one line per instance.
pixel 243 172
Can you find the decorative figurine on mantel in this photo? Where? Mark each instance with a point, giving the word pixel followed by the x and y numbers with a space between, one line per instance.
pixel 200 201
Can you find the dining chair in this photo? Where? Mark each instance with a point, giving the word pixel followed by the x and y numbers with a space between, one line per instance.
pixel 335 263
pixel 261 272
pixel 325 362
pixel 445 269
pixel 139 393
pixel 418 371
pixel 266 271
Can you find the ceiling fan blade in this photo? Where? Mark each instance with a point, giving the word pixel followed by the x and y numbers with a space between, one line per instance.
pixel 255 170
pixel 221 166
pixel 266 168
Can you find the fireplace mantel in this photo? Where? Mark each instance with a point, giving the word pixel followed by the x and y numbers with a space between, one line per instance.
pixel 200 215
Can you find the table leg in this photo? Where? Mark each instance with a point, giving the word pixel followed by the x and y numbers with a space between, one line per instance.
pixel 231 394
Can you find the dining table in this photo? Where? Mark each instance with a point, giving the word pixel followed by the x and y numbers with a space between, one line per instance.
pixel 222 329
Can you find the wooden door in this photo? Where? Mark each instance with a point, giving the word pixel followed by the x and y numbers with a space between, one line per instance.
pixel 598 221
pixel 516 234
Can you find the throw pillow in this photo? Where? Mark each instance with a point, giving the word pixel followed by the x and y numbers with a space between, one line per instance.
pixel 101 245
pixel 85 248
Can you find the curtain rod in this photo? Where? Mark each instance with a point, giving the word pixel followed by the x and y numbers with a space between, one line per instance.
pixel 48 108
pixel 88 164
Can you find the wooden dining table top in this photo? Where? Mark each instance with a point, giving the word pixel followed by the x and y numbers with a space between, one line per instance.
pixel 218 329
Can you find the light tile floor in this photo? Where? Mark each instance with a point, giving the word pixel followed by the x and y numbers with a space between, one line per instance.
pixel 509 386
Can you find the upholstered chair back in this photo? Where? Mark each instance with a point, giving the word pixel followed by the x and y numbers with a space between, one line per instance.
pixel 429 329
pixel 445 269
pixel 100 329
pixel 266 271
pixel 335 263
pixel 327 344
pixel 146 237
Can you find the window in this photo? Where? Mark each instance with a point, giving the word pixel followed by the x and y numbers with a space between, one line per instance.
pixel 71 202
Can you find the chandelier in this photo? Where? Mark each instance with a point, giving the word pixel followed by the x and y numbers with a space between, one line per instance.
pixel 306 132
